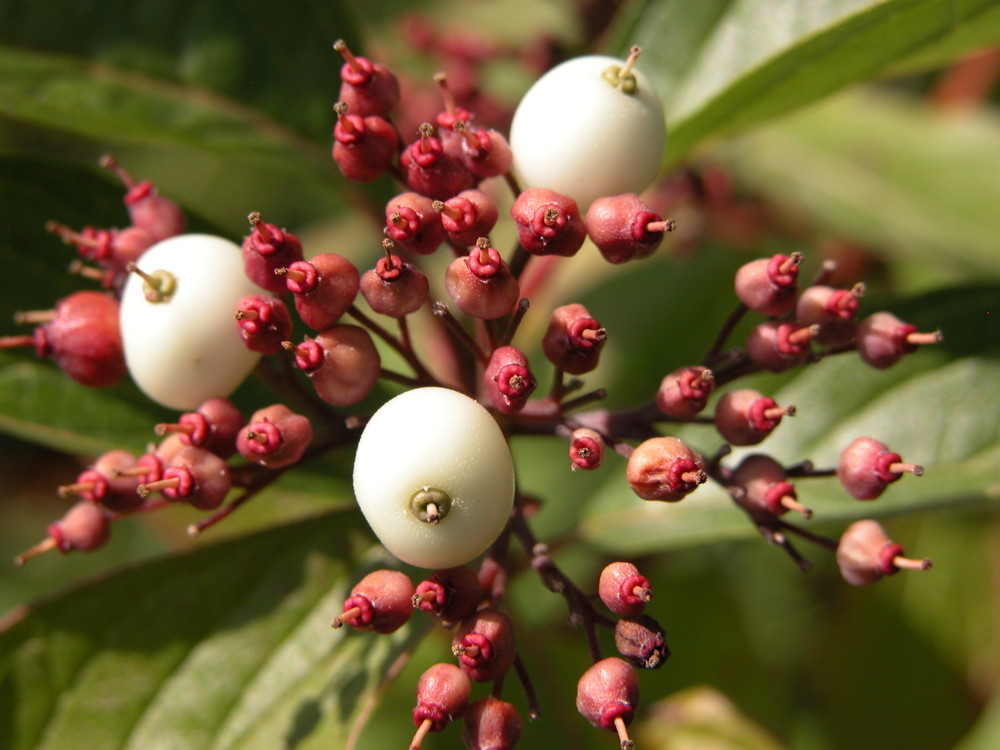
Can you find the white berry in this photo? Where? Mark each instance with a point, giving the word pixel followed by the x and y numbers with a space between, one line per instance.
pixel 579 134
pixel 181 344
pixel 434 451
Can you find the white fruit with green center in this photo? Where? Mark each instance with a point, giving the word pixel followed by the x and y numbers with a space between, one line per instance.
pixel 182 346
pixel 434 477
pixel 591 127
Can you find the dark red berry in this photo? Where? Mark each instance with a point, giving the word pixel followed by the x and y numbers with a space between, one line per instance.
pixel 607 695
pixel 451 594
pixel 746 417
pixel 194 476
pixel 342 363
pixel 768 285
pixel 624 228
pixel 148 210
pixel 664 468
pixel 394 288
pixel 108 483
pixel 266 249
pixel 467 216
pixel 380 602
pixel 481 283
pixel 683 393
pixel 275 437
pixel 363 147
pixel 761 488
pixel 586 449
pixel 778 346
pixel 548 223
pixel 485 153
pixel 484 645
pixel 867 467
pixel 508 379
pixel 213 426
pixel 573 340
pixel 81 335
pixel 442 697
pixel 412 223
pixel 833 310
pixel 368 88
pixel 264 322
pixel 428 170
pixel 865 554
pixel 84 528
pixel 883 339
pixel 623 589
pixel 324 287
pixel 492 724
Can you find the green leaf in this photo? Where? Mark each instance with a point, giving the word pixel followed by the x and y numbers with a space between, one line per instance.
pixel 218 159
pixel 279 61
pixel 916 183
pixel 724 65
pixel 228 647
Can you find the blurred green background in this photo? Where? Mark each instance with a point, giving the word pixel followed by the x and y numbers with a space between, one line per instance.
pixel 865 132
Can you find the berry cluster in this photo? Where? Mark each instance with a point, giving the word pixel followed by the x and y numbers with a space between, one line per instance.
pixel 190 316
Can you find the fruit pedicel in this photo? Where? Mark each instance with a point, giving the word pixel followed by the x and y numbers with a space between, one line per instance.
pixel 189 316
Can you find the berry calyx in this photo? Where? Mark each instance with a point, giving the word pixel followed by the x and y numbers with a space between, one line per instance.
pixel 664 468
pixel 379 602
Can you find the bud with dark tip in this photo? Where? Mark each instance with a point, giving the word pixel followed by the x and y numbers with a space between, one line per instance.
pixel 641 641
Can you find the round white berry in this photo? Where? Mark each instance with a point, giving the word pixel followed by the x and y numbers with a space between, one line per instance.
pixel 181 344
pixel 434 477
pixel 580 134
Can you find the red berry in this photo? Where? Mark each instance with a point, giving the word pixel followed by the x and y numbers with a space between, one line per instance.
pixel 586 449
pixel 746 417
pixel 264 322
pixel 508 379
pixel 607 695
pixel 213 426
pixel 763 490
pixel 573 340
pixel 324 287
pixel 194 476
pixel 683 393
pixel 381 602
pixel 867 467
pixel 623 589
pixel 148 210
pixel 548 223
pixel 664 468
pixel 451 594
pixel 491 724
pixel 394 288
pixel 107 483
pixel 833 310
pixel 430 171
pixel 412 223
pixel 481 283
pixel 883 339
pixel 266 249
pixel 484 645
pixel 865 554
pixel 768 285
pixel 368 88
pixel 363 147
pixel 342 363
pixel 275 437
pixel 641 641
pixel 442 696
pixel 84 528
pixel 779 346
pixel 624 228
pixel 467 216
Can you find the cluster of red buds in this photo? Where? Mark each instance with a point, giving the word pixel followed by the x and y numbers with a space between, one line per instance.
pixel 426 509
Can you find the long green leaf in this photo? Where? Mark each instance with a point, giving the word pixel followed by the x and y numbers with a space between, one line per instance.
pixel 228 647
pixel 723 65
pixel 917 182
